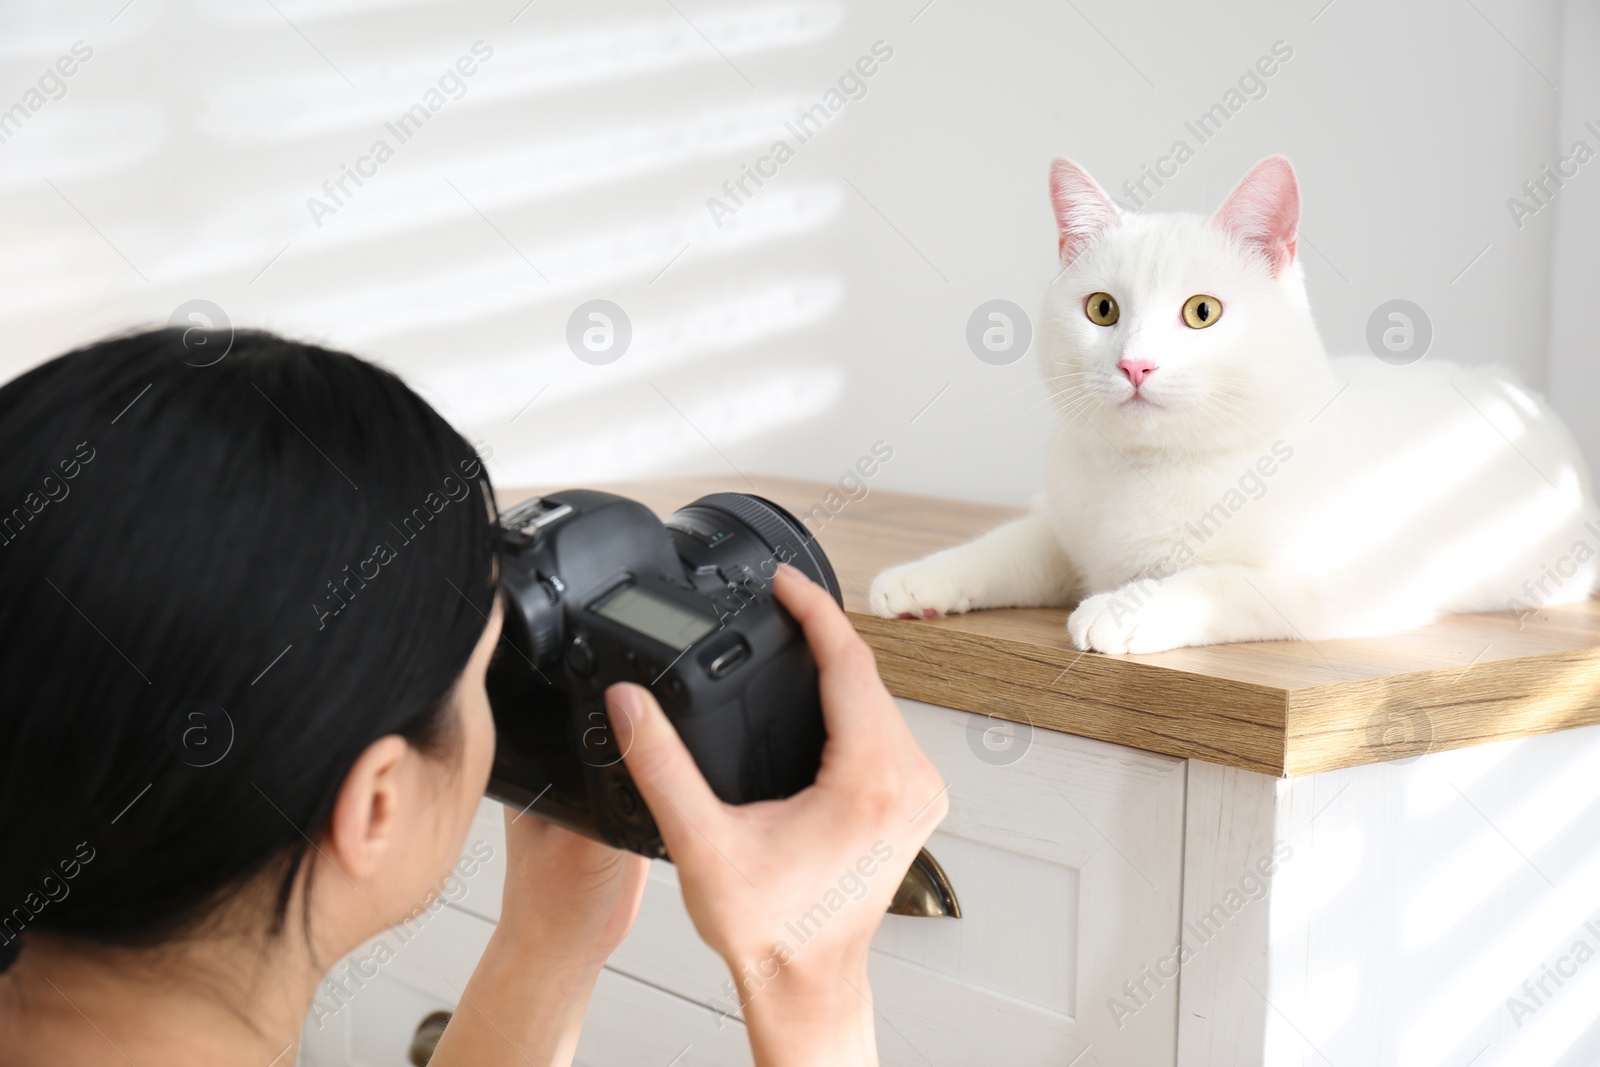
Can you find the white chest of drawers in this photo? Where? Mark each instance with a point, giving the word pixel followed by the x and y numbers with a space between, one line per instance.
pixel 1067 857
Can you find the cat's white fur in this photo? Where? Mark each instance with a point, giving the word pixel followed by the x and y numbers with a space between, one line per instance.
pixel 1259 490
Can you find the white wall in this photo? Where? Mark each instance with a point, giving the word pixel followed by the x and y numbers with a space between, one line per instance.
pixel 832 307
pixel 1575 279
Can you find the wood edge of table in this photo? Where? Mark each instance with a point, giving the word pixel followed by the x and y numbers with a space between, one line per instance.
pixel 1281 732
pixel 1412 715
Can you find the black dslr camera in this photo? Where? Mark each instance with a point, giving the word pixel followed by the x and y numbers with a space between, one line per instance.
pixel 598 591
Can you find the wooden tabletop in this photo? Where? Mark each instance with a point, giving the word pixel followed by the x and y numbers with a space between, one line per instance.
pixel 1277 707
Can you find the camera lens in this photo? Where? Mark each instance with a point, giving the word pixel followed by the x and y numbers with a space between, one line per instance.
pixel 779 535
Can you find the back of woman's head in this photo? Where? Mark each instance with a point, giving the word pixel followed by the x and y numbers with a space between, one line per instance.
pixel 221 581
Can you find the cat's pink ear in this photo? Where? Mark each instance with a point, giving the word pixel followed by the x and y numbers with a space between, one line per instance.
pixel 1263 211
pixel 1083 210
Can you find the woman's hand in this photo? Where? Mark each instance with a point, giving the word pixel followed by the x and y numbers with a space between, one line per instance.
pixel 568 901
pixel 566 897
pixel 790 892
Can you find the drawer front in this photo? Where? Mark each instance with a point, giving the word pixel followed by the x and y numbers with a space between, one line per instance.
pixel 1066 855
pixel 371 1023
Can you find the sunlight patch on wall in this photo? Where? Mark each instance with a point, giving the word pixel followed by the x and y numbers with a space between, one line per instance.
pixel 82 141
pixel 302 105
pixel 231 13
pixel 411 199
pixel 577 265
pixel 496 389
pixel 649 437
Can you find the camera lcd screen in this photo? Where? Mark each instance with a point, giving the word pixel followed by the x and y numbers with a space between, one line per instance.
pixel 655 617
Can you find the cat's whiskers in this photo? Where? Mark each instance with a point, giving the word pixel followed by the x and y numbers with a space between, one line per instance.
pixel 1220 415
pixel 1062 390
pixel 1069 386
pixel 1242 404
pixel 1045 381
pixel 1221 407
pixel 1074 407
pixel 1086 412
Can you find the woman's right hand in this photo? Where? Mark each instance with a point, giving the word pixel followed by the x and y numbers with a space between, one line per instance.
pixel 789 892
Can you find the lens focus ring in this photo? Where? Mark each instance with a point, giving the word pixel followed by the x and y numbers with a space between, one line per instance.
pixel 781 532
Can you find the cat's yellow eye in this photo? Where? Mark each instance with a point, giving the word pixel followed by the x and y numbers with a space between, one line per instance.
pixel 1102 309
pixel 1200 311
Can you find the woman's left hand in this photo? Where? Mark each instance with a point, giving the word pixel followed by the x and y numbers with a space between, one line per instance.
pixel 568 902
pixel 567 898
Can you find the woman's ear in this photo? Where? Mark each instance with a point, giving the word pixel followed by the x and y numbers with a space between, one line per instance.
pixel 364 823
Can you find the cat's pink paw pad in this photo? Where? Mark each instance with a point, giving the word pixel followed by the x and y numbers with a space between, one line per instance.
pixel 929 613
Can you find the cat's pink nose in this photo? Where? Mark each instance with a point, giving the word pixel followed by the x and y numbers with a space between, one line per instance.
pixel 1137 370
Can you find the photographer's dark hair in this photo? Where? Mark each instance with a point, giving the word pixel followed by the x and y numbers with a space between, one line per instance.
pixel 222 580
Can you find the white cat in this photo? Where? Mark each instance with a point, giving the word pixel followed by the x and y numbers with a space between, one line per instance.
pixel 1215 477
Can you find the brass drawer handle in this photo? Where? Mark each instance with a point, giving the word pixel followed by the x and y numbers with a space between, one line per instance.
pixel 426 1039
pixel 926 891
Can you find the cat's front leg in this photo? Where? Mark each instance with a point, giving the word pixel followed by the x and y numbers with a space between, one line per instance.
pixel 1020 564
pixel 1201 605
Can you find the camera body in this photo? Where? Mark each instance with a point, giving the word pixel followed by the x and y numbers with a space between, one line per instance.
pixel 598 591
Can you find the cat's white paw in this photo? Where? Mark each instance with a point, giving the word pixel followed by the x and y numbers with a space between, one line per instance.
pixel 1136 619
pixel 919 590
pixel 1102 623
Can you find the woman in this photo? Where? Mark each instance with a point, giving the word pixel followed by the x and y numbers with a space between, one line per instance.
pixel 215 785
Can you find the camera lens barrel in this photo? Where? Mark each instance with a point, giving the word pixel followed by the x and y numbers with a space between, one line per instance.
pixel 785 537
